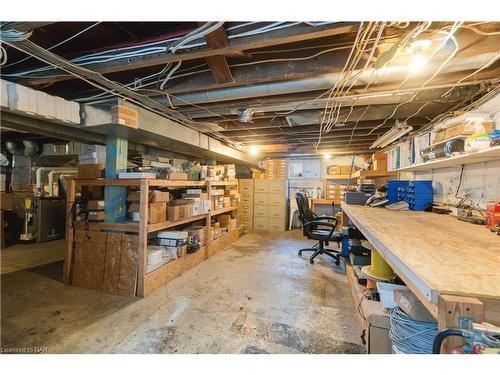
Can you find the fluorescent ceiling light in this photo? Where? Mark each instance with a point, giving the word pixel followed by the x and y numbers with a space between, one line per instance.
pixel 392 135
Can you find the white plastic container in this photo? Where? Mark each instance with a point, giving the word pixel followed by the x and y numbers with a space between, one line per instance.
pixel 386 292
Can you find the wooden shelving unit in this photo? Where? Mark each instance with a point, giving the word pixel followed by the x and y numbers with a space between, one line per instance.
pixel 337 177
pixel 490 154
pixel 148 282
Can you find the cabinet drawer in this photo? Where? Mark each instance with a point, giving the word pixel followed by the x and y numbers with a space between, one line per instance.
pixel 277 199
pixel 261 223
pixel 247 211
pixel 277 224
pixel 277 187
pixel 246 219
pixel 261 198
pixel 260 210
pixel 277 211
pixel 246 184
pixel 261 186
pixel 247 197
pixel 246 206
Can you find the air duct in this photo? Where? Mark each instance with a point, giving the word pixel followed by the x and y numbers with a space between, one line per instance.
pixel 326 81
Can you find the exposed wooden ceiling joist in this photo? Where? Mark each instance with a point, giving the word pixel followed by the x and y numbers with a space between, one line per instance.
pixel 277 37
pixel 218 63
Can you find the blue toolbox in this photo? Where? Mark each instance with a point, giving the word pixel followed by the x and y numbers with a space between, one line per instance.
pixel 393 194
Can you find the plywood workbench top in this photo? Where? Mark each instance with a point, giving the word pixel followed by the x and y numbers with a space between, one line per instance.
pixel 438 253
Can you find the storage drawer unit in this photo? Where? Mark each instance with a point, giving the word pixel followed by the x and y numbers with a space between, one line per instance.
pixel 261 198
pixel 261 223
pixel 270 205
pixel 246 211
pixel 261 210
pixel 261 186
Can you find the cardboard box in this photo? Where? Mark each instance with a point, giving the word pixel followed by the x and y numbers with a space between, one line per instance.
pixel 346 169
pixel 377 328
pixel 224 220
pixel 334 169
pixel 198 232
pixel 179 209
pixel 181 251
pixel 96 215
pixel 90 171
pixel 157 212
pixel 178 176
pixel 154 196
pixel 467 129
pixel 440 136
pixel 6 201
pixel 201 196
pixel 96 205
pixel 216 225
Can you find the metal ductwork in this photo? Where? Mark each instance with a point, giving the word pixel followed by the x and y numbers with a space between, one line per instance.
pixel 326 81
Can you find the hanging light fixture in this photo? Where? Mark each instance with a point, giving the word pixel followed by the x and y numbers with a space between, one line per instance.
pixel 400 129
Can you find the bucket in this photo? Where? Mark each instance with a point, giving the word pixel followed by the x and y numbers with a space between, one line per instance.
pixel 380 268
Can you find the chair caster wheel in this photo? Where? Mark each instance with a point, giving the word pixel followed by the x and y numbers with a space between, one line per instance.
pixel 311 261
pixel 300 253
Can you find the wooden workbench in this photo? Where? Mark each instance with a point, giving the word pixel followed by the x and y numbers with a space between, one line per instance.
pixel 453 267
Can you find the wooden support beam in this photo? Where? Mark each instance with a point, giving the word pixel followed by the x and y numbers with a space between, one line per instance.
pixel 68 258
pixel 218 63
pixel 115 196
pixel 272 38
pixel 450 309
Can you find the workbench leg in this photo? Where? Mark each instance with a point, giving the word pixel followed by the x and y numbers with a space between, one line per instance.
pixel 68 258
pixel 450 309
pixel 115 196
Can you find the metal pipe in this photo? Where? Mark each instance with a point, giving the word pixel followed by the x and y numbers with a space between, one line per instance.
pixel 68 171
pixel 326 81
pixel 39 172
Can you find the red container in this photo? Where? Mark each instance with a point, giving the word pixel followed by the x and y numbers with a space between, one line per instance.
pixel 492 215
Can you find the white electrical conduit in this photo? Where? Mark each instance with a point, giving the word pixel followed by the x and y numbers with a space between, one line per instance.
pixel 40 170
pixel 66 172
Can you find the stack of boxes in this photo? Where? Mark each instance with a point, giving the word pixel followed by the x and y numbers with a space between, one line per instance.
pixel 201 203
pixel 419 195
pixel 91 162
pixel 246 187
pixel 334 191
pixel 96 210
pixel 276 169
pixel 231 196
pixel 157 210
pixel 171 245
pixel 270 205
pixel 379 161
pixel 393 187
pixel 217 196
pixel 215 231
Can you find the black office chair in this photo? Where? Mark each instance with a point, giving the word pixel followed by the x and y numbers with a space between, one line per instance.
pixel 319 228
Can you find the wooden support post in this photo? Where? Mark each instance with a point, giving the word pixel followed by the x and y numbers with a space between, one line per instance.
pixel 116 162
pixel 143 237
pixel 450 309
pixel 68 259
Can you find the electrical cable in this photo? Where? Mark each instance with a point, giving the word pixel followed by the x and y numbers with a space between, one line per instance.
pixel 58 44
pixel 409 336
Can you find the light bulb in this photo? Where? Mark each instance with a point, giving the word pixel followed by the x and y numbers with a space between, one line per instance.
pixel 417 62
pixel 254 151
pixel 327 156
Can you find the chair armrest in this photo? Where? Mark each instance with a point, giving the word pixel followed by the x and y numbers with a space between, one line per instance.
pixel 310 226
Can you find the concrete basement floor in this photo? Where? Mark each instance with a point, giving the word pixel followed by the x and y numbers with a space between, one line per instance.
pixel 256 296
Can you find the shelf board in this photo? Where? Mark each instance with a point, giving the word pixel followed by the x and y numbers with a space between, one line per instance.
pixel 224 183
pixel 169 224
pixel 365 173
pixel 176 183
pixel 223 210
pixel 490 154
pixel 137 182
pixel 337 177
pixel 128 226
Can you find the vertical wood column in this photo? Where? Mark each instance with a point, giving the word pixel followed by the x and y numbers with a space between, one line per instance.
pixel 142 252
pixel 115 196
pixel 68 258
pixel 450 309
